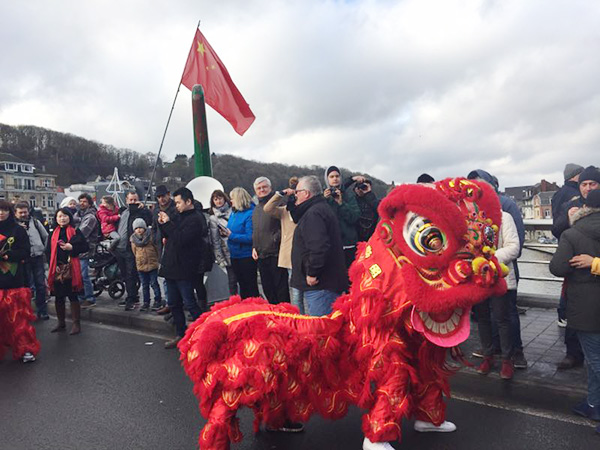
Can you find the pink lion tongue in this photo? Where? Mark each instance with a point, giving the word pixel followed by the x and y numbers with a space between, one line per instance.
pixel 444 333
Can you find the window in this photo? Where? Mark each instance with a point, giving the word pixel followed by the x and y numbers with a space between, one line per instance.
pixel 50 202
pixel 27 168
pixel 32 201
pixel 43 201
pixel 547 213
pixel 30 184
pixel 18 183
pixel 1 182
pixel 46 182
pixel 10 167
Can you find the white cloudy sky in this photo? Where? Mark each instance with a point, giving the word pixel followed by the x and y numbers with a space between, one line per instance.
pixel 393 88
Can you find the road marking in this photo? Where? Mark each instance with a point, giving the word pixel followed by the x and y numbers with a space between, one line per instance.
pixel 129 330
pixel 524 410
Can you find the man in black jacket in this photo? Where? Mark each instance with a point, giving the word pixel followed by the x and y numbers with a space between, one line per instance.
pixel 123 252
pixel 318 264
pixel 165 203
pixel 182 257
pixel 578 243
pixel 589 179
pixel 565 194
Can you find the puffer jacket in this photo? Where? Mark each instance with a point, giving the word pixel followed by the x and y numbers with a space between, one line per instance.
pixel 240 239
pixel 583 287
pixel 219 216
pixel 508 248
pixel 108 219
pixel 146 258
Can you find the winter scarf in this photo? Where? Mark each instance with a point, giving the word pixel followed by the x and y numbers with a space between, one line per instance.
pixel 141 241
pixel 76 281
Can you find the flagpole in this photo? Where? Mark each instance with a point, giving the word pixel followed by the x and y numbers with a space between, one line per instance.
pixel 147 196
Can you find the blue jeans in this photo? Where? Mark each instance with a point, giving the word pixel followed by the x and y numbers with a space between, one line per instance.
pixel 590 343
pixel 181 293
pixel 36 279
pixel 515 324
pixel 297 298
pixel 166 289
pixel 320 301
pixel 148 279
pixel 88 288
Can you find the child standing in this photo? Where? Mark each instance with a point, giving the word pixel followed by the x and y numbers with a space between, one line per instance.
pixel 146 261
pixel 108 215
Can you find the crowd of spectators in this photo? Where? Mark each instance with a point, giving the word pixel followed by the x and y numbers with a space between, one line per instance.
pixel 299 241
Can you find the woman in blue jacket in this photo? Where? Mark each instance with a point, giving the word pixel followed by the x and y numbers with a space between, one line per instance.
pixel 239 233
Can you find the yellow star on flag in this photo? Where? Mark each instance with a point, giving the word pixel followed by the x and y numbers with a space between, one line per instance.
pixel 201 48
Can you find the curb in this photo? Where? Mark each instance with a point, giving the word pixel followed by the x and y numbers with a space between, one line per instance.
pixel 525 387
pixel 135 319
pixel 538 301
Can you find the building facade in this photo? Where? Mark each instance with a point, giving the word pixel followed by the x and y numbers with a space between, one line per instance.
pixel 20 181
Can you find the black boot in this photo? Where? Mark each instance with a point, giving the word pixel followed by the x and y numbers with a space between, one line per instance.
pixel 60 315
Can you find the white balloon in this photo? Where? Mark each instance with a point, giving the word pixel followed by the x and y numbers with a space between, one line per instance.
pixel 202 188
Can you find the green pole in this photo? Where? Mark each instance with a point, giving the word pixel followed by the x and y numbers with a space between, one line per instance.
pixel 203 166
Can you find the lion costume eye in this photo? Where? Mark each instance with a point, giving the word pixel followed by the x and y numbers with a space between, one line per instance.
pixel 422 236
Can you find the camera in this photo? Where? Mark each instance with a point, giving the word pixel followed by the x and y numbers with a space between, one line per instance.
pixel 335 192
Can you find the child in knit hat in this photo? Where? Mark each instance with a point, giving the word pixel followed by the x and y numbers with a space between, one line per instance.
pixel 146 262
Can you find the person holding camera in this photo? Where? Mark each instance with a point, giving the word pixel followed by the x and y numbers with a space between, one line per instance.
pixel 367 204
pixel 345 207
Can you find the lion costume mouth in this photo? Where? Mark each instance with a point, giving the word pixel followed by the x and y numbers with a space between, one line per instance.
pixel 446 329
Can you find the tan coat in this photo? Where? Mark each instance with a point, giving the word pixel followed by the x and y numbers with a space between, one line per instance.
pixel 146 258
pixel 273 207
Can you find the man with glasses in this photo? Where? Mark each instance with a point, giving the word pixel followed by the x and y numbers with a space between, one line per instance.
pixel 318 263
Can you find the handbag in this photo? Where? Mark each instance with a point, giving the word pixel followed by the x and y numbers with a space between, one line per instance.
pixel 63 272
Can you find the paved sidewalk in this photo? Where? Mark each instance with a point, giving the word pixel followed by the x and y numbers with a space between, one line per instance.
pixel 543 342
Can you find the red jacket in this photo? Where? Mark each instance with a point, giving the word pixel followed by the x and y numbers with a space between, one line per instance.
pixel 108 219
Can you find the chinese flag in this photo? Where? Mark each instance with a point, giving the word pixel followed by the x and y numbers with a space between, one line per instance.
pixel 204 67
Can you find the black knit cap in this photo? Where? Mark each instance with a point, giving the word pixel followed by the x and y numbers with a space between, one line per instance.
pixel 332 169
pixel 593 199
pixel 590 173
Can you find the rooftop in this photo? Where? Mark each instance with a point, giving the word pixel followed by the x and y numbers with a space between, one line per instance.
pixel 9 157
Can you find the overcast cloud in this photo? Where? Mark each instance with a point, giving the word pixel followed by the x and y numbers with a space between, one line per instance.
pixel 393 88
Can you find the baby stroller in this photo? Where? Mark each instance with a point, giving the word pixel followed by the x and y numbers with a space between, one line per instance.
pixel 105 274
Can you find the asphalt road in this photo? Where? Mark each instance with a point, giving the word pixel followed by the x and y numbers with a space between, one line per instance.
pixel 106 389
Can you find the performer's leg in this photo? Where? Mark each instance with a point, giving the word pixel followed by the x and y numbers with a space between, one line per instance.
pixel 383 421
pixel 220 428
pixel 429 408
pixel 22 337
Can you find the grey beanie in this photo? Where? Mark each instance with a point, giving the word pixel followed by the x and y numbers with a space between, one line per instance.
pixel 139 223
pixel 572 170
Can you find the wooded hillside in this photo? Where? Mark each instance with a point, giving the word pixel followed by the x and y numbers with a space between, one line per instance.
pixel 78 160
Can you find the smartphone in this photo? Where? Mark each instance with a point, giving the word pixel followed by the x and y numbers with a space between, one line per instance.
pixel 61 242
pixel 222 227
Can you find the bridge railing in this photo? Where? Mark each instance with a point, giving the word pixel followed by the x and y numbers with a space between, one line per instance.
pixel 542 247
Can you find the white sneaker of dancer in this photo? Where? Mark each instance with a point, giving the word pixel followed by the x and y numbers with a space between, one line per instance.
pixel 368 445
pixel 425 427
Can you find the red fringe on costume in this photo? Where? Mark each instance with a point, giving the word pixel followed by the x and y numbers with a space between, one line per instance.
pixel 16 316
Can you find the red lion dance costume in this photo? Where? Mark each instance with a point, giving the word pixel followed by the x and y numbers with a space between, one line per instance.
pixel 16 316
pixel 384 345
